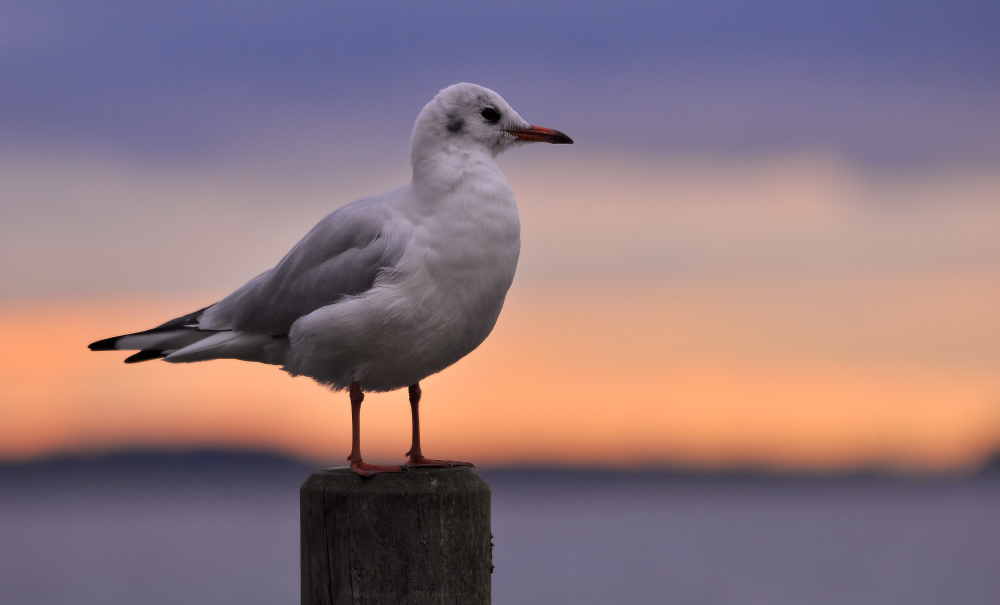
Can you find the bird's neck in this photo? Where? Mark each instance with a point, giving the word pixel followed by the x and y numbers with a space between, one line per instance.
pixel 446 168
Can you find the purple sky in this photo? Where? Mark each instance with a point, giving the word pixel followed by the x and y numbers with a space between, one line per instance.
pixel 884 83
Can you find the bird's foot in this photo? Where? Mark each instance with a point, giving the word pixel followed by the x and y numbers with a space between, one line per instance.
pixel 422 462
pixel 367 470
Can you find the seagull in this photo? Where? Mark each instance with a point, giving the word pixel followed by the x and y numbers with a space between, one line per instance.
pixel 389 289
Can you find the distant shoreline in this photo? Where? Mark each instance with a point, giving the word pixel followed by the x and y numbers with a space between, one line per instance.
pixel 236 464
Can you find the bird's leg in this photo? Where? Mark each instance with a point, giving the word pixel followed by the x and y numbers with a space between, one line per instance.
pixel 358 465
pixel 416 456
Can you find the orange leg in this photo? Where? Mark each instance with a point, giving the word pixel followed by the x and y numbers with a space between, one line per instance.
pixel 358 465
pixel 416 456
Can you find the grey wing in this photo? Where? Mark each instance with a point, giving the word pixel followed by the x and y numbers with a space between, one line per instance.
pixel 341 256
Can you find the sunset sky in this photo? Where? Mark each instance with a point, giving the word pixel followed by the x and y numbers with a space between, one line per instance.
pixel 776 241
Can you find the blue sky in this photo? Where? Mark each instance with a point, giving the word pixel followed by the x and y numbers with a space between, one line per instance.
pixel 884 83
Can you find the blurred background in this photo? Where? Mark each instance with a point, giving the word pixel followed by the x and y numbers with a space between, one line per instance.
pixel 758 296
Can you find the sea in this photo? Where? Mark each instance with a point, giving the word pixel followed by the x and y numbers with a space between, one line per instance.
pixel 222 527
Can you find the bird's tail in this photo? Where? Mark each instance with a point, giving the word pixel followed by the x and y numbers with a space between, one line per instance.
pixel 158 342
pixel 181 340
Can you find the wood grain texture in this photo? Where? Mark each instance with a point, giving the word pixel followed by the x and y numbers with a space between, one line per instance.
pixel 421 537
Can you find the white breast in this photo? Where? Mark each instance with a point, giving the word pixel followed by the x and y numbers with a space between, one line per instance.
pixel 440 302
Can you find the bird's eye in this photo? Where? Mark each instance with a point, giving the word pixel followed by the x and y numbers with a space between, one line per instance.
pixel 490 115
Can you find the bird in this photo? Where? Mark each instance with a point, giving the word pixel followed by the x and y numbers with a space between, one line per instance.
pixel 386 290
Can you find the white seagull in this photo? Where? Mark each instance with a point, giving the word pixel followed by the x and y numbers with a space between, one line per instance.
pixel 388 289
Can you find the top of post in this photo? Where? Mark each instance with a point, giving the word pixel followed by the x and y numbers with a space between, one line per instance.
pixel 459 479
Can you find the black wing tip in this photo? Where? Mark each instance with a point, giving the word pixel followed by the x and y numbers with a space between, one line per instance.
pixel 146 355
pixel 108 344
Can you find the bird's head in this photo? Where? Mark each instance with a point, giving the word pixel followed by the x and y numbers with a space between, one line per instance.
pixel 470 117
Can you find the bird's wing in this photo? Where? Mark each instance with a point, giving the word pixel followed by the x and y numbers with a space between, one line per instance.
pixel 341 256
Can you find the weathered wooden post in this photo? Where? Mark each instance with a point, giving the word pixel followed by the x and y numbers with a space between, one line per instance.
pixel 412 538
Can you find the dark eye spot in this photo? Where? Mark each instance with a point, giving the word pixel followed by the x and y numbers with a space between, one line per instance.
pixel 455 123
pixel 491 115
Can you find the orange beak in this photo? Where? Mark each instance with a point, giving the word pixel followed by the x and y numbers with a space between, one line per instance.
pixel 542 135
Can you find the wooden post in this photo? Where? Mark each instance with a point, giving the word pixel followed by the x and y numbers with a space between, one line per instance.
pixel 412 538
